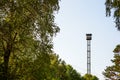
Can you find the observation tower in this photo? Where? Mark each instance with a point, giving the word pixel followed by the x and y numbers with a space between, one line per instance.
pixel 88 38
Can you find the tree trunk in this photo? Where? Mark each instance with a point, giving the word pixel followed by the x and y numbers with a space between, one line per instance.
pixel 6 62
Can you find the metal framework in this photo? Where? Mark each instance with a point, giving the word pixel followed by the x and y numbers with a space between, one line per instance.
pixel 88 38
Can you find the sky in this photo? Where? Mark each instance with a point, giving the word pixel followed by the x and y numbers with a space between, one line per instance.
pixel 76 18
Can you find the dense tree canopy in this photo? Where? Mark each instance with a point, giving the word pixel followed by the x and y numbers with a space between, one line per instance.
pixel 26 31
pixel 59 70
pixel 113 5
pixel 113 72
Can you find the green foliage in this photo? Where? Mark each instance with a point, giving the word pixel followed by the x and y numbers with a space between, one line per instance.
pixel 72 73
pixel 115 6
pixel 117 49
pixel 26 31
pixel 61 71
pixel 113 72
pixel 89 77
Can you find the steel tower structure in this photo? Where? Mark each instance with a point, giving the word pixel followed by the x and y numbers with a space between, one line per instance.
pixel 88 38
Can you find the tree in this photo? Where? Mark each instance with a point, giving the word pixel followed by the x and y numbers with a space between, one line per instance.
pixel 72 73
pixel 113 72
pixel 115 6
pixel 89 77
pixel 59 70
pixel 57 67
pixel 26 27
